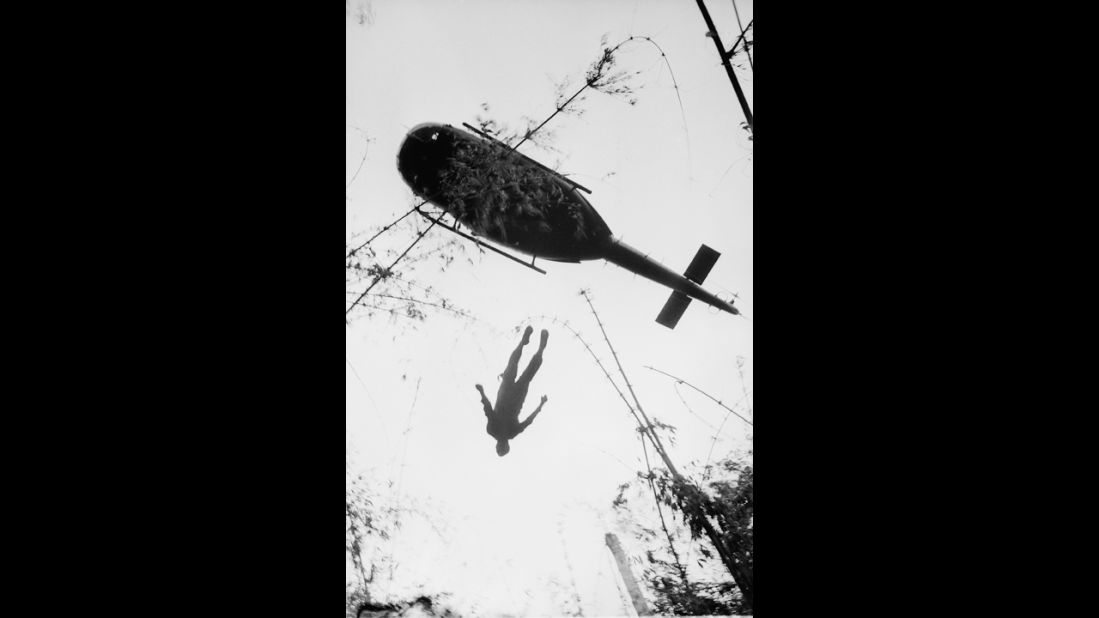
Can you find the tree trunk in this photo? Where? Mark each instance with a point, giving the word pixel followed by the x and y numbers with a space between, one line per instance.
pixel 627 576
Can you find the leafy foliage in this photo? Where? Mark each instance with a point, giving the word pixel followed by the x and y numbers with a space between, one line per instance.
pixel 493 190
pixel 399 294
pixel 363 526
pixel 602 77
pixel 426 605
pixel 744 45
pixel 369 540
pixel 701 586
pixel 495 194
pixel 363 12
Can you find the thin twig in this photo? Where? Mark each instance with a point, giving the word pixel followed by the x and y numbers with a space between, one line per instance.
pixel 384 229
pixel 742 31
pixel 731 563
pixel 675 85
pixel 457 312
pixel 660 512
pixel 718 401
pixel 380 276
pixel 644 448
pixel 605 372
pixel 404 451
pixel 592 82
pixel 657 443
pixel 691 411
pixel 356 174
pixel 551 116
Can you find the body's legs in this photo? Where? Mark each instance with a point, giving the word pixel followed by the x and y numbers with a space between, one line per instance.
pixel 535 361
pixel 512 369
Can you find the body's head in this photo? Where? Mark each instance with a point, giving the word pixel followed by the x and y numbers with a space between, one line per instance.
pixel 502 447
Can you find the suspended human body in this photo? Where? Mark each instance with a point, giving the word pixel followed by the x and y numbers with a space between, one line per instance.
pixel 503 418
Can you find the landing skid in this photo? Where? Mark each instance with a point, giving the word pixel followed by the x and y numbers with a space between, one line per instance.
pixel 454 229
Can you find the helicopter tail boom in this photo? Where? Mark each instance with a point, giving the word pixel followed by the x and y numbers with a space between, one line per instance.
pixel 685 287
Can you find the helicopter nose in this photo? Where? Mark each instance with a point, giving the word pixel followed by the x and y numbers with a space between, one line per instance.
pixel 421 149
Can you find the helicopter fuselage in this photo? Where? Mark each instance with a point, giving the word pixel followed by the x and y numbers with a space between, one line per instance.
pixel 518 203
pixel 502 195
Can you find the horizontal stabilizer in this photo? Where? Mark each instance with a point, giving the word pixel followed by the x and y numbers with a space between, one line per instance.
pixel 702 263
pixel 676 305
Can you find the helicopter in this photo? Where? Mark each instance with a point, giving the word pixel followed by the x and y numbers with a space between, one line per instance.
pixel 512 200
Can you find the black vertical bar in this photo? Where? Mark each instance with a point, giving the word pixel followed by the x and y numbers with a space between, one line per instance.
pixel 725 61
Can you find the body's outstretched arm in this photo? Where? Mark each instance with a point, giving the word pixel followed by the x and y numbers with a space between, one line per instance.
pixel 530 418
pixel 484 401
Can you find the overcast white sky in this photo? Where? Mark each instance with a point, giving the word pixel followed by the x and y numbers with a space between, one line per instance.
pixel 515 532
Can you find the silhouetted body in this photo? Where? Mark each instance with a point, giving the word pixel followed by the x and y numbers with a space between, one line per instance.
pixel 503 418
